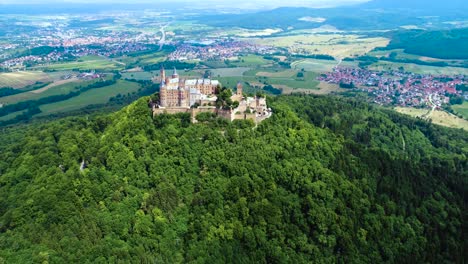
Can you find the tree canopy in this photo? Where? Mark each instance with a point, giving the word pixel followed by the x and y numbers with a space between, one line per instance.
pixel 323 180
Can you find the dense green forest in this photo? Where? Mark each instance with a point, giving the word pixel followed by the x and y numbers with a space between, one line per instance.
pixel 324 180
pixel 444 44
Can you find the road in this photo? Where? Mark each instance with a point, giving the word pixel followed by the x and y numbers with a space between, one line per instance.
pixel 340 60
pixel 434 106
pixel 162 41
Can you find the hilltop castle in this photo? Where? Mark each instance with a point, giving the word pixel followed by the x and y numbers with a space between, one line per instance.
pixel 195 96
pixel 177 92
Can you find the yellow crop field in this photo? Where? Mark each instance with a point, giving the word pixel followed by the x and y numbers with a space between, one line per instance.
pixel 22 79
pixel 438 117
pixel 336 45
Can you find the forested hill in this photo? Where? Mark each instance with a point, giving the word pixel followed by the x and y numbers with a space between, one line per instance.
pixel 324 180
pixel 428 5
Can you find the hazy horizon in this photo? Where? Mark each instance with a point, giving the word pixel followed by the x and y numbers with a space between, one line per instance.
pixel 213 3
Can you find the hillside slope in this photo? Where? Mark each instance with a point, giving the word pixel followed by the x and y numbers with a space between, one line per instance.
pixel 323 180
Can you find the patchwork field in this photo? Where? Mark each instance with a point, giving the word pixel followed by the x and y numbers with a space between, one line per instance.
pixel 94 96
pixel 142 75
pixel 438 117
pixel 280 78
pixel 420 69
pixel 229 72
pixel 400 54
pixel 320 66
pixel 277 74
pixel 56 83
pixel 85 64
pixel 251 61
pixel 462 109
pixel 23 79
pixel 336 45
pixel 55 90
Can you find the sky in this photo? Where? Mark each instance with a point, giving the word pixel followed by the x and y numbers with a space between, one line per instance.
pixel 220 3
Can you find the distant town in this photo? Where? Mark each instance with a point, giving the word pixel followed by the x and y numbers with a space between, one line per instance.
pixel 217 50
pixel 399 88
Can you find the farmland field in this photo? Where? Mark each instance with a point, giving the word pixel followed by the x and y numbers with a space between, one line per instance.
pixel 54 84
pixel 56 90
pixel 336 45
pixel 320 66
pixel 11 116
pixel 251 61
pixel 438 117
pixel 142 75
pixel 285 79
pixel 94 96
pixel 419 69
pixel 22 79
pixel 462 109
pixel 229 72
pixel 277 74
pixel 85 64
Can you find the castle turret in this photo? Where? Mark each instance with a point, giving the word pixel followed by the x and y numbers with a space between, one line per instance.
pixel 239 89
pixel 174 74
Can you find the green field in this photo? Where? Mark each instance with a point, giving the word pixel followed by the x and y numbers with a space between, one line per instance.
pixel 152 58
pixel 247 61
pixel 94 96
pixel 22 79
pixel 419 69
pixel 229 72
pixel 251 61
pixel 11 116
pixel 214 64
pixel 57 90
pixel 143 75
pixel 400 54
pixel 437 117
pixel 320 66
pixel 85 64
pixel 279 78
pixel 461 109
pixel 336 45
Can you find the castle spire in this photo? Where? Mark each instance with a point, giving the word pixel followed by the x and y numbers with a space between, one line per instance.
pixel 174 74
pixel 162 74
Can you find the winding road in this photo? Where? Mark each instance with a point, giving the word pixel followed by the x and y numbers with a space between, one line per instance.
pixel 162 41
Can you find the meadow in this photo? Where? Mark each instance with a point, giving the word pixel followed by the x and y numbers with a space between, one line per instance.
pixel 461 109
pixel 11 116
pixel 419 69
pixel 23 78
pixel 336 45
pixel 87 63
pixel 229 72
pixel 56 90
pixel 94 96
pixel 438 117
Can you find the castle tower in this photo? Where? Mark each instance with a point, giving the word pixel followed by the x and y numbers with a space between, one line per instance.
pixel 163 96
pixel 174 74
pixel 162 74
pixel 239 89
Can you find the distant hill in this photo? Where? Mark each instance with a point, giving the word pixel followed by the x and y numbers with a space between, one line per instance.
pixel 345 18
pixel 443 44
pixel 434 5
pixel 377 14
